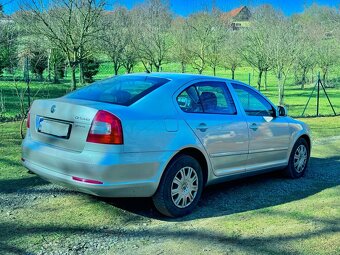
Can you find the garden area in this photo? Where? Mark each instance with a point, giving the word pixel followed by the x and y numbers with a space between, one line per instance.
pixel 47 51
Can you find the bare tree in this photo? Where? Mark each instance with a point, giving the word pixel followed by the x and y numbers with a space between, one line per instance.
pixel 114 38
pixel 180 36
pixel 216 40
pixel 231 57
pixel 325 21
pixel 255 47
pixel 8 44
pixel 129 57
pixel 202 47
pixel 283 51
pixel 68 24
pixel 306 58
pixel 151 23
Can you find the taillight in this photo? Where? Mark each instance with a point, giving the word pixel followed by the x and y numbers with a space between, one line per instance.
pixel 106 128
pixel 28 120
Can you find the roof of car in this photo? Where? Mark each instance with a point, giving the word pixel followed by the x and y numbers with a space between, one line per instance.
pixel 177 76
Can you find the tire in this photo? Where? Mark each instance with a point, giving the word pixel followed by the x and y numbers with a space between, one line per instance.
pixel 173 205
pixel 300 152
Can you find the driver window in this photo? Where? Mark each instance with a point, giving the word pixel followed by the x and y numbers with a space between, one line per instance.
pixel 253 103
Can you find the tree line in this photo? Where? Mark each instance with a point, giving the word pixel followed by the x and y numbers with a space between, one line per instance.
pixel 73 35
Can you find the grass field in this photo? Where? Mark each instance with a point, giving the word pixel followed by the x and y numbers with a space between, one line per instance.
pixel 267 214
pixel 295 98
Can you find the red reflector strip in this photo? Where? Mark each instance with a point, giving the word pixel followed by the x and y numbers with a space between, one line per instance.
pixel 86 180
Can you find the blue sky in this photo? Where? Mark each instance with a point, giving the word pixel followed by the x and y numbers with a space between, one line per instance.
pixel 185 7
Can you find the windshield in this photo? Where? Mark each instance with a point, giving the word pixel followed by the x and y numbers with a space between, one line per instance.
pixel 122 90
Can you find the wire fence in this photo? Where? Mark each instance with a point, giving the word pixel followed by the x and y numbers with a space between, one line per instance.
pixel 18 88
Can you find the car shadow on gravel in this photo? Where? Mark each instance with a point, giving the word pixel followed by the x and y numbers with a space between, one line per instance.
pixel 13 185
pixel 247 194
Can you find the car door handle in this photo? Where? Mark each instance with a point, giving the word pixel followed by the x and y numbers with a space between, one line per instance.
pixel 202 127
pixel 253 126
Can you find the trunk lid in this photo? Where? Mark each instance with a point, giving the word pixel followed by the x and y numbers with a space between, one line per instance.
pixel 61 122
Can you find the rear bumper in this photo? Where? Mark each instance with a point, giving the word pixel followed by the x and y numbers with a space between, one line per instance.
pixel 121 174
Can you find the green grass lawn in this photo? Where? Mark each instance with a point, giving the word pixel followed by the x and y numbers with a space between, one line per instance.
pixel 266 214
pixel 295 98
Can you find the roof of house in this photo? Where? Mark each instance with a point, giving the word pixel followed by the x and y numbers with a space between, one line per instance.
pixel 233 13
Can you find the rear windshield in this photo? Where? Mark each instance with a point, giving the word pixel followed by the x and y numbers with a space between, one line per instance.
pixel 122 90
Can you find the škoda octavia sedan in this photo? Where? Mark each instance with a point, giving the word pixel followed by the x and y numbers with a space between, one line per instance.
pixel 161 135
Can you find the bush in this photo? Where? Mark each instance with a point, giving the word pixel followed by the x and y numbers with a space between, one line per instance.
pixel 38 64
pixel 90 69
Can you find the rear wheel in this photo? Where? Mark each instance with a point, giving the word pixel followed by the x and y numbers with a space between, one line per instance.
pixel 298 160
pixel 180 188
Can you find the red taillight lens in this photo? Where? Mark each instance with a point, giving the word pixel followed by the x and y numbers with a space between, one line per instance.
pixel 28 120
pixel 106 128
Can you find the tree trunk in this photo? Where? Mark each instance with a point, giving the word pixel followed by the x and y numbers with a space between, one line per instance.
pixel 145 66
pixel 296 77
pixel 214 70
pixel 259 80
pixel 265 79
pixel 128 67
pixel 116 67
pixel 157 68
pixel 281 89
pixel 55 77
pixel 183 67
pixel 303 80
pixel 81 74
pixel 49 65
pixel 324 75
pixel 233 73
pixel 73 78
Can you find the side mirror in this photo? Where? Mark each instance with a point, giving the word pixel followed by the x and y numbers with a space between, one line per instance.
pixel 282 111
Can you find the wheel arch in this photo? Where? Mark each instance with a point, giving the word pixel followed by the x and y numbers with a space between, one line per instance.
pixel 196 154
pixel 307 139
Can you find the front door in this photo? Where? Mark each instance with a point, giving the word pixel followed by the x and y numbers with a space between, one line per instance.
pixel 209 110
pixel 268 134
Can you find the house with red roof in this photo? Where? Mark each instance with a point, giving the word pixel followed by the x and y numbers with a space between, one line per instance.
pixel 238 18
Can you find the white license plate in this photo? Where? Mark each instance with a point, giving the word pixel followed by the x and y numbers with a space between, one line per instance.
pixel 53 128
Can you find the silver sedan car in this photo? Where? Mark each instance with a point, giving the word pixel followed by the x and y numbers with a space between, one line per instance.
pixel 161 135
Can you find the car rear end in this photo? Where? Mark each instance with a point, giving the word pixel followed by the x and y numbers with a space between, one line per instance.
pixel 78 141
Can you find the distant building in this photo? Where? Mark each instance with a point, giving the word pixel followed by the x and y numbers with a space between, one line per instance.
pixel 238 17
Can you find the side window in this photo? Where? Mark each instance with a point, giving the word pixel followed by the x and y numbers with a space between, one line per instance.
pixel 207 97
pixel 189 101
pixel 253 103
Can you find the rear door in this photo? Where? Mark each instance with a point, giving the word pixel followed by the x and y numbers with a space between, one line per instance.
pixel 209 110
pixel 268 133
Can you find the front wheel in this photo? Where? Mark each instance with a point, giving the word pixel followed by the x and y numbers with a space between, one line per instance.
pixel 180 188
pixel 298 160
